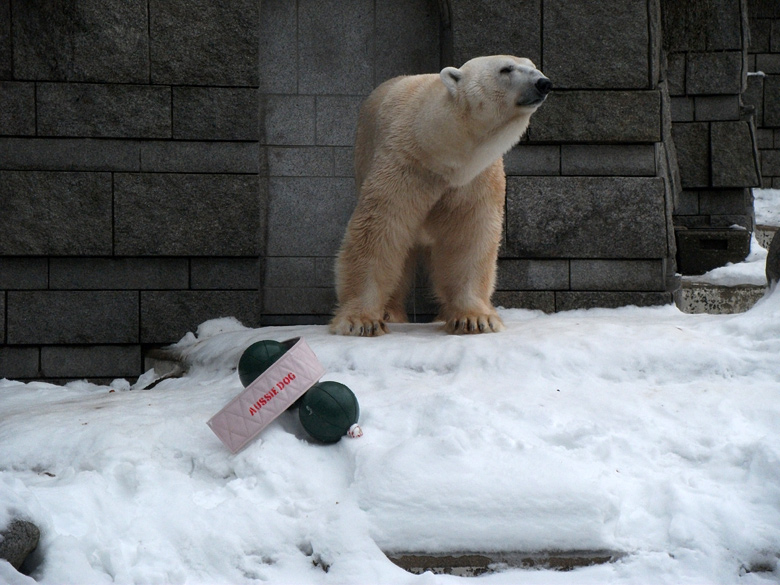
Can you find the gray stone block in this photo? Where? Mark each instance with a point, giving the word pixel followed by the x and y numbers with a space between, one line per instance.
pixel 337 119
pixel 19 362
pixel 682 109
pixel 608 160
pixel 774 43
pixel 765 138
pixel 687 202
pixel 768 63
pixel 2 318
pixel 24 273
pixel 701 250
pixel 290 272
pixel 763 9
pixel 89 40
pixel 335 42
pixel 495 27
pixel 617 35
pixel 118 273
pixel 288 120
pixel 303 161
pixel 770 163
pixel 200 157
pixel 68 154
pixel 526 159
pixel 572 300
pixel 772 101
pixel 531 300
pixel 299 301
pixel 710 25
pixel 6 55
pixel 760 30
pixel 199 42
pixel 717 108
pixel 59 317
pixel 618 275
pixel 733 156
pixel 278 46
pixel 598 116
pixel 104 111
pixel 692 142
pixel 17 108
pixel 96 361
pixel 586 217
pixel 514 274
pixel 215 113
pixel 344 161
pixel 308 216
pixel 754 96
pixel 55 213
pixel 226 273
pixel 714 73
pixel 724 202
pixel 187 215
pixel 675 73
pixel 407 38
pixel 166 316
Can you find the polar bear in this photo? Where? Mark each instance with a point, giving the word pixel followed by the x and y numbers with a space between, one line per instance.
pixel 430 177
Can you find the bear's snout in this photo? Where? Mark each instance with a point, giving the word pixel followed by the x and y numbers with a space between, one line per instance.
pixel 543 86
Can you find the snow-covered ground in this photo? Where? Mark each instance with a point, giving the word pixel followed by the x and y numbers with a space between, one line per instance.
pixel 646 432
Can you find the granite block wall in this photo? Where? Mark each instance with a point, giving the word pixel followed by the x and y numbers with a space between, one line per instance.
pixel 133 205
pixel 763 85
pixel 167 162
pixel 713 129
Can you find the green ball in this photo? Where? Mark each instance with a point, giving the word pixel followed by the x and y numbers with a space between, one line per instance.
pixel 257 358
pixel 328 410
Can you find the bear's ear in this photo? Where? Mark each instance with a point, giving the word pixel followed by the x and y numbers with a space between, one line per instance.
pixel 450 76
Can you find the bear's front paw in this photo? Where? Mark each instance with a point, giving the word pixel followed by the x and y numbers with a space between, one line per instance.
pixel 474 324
pixel 358 326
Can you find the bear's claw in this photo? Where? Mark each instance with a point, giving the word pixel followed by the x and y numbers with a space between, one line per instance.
pixel 474 324
pixel 358 327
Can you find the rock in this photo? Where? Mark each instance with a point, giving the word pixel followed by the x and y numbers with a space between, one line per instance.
pixel 19 539
pixel 773 261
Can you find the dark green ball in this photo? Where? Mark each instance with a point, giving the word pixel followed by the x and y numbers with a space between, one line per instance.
pixel 257 358
pixel 328 410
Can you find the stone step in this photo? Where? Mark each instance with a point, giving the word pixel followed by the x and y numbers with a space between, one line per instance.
pixel 764 234
pixel 475 564
pixel 696 297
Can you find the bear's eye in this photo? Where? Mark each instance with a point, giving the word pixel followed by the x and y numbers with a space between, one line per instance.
pixel 507 69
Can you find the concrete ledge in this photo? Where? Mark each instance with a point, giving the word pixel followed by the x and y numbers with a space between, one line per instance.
pixel 474 564
pixel 695 297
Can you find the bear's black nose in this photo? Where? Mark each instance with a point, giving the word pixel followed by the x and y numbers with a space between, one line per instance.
pixel 543 86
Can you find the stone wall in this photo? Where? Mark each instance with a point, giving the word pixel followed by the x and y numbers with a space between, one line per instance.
pixel 705 42
pixel 764 85
pixel 133 204
pixel 167 162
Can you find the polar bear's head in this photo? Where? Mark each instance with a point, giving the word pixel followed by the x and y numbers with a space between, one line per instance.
pixel 500 86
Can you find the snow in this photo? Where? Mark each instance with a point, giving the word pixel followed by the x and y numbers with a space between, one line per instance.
pixel 643 431
pixel 766 203
pixel 751 271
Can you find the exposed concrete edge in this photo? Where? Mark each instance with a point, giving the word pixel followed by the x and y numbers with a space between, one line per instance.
pixel 473 564
pixel 166 362
pixel 699 297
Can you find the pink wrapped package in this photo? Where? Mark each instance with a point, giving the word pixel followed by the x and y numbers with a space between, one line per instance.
pixel 268 396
